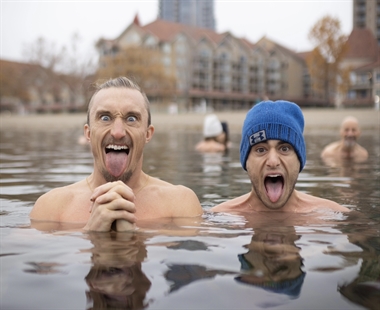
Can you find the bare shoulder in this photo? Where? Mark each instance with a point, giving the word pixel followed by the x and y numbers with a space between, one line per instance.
pixel 48 206
pixel 199 146
pixel 210 146
pixel 313 203
pixel 233 205
pixel 330 149
pixel 181 200
pixel 362 153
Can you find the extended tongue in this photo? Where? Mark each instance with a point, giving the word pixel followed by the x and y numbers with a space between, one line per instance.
pixel 116 162
pixel 274 189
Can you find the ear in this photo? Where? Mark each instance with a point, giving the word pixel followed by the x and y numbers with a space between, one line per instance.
pixel 149 133
pixel 86 131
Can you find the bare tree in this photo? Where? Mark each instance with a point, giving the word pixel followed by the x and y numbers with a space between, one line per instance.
pixel 44 53
pixel 60 59
pixel 65 67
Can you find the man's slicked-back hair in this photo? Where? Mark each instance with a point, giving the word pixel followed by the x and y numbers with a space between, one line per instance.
pixel 119 82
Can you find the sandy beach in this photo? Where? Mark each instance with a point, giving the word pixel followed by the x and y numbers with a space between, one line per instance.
pixel 315 119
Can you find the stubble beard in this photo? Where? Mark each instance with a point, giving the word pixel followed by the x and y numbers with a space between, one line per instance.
pixel 349 143
pixel 125 177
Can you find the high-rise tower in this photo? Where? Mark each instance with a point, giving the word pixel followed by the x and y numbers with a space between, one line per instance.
pixel 199 13
pixel 365 15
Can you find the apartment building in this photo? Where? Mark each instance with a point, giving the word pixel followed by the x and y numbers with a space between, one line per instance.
pixel 363 59
pixel 31 88
pixel 218 69
pixel 211 69
pixel 366 14
pixel 189 12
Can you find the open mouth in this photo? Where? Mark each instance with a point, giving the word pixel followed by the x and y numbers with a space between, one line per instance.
pixel 274 185
pixel 117 148
pixel 116 158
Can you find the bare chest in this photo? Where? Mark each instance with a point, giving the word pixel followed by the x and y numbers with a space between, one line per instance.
pixel 77 210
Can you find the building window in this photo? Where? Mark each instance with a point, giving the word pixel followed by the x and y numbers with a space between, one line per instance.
pixel 166 48
pixel 166 61
pixel 363 78
pixel 351 94
pixel 353 78
pixel 205 53
pixel 180 46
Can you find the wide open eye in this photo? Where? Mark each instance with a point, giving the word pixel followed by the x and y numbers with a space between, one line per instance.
pixel 105 118
pixel 131 118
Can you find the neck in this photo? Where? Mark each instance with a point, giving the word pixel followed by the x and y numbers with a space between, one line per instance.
pixel 136 180
pixel 347 149
pixel 257 205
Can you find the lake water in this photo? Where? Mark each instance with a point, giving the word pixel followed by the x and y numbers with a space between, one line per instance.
pixel 218 262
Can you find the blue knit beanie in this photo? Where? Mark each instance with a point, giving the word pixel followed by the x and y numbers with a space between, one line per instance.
pixel 268 120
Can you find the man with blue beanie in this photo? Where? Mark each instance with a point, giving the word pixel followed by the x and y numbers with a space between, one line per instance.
pixel 273 152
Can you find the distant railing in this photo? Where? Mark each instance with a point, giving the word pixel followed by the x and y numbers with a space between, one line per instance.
pixel 359 102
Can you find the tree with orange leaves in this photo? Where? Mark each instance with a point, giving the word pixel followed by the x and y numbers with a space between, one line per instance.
pixel 328 78
pixel 143 65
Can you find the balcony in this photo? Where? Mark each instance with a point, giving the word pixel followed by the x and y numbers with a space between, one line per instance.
pixel 359 102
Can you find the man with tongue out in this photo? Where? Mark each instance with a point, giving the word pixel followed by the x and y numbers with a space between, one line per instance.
pixel 273 152
pixel 117 193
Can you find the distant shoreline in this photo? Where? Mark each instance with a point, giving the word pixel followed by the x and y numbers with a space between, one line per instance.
pixel 315 119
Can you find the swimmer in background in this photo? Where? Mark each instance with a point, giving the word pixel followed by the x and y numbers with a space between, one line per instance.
pixel 215 135
pixel 347 147
pixel 226 131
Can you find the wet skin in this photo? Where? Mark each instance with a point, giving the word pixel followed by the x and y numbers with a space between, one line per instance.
pixel 118 119
pixel 273 167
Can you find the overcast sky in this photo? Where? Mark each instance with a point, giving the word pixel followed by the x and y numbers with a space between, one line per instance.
pixel 287 22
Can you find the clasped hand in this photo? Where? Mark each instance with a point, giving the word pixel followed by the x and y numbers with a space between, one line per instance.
pixel 109 202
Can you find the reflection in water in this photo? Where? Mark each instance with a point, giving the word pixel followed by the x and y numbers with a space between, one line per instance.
pixel 116 280
pixel 273 261
pixel 288 261
pixel 190 245
pixel 365 288
pixel 214 170
pixel 43 268
pixel 182 275
pixel 351 174
pixel 347 182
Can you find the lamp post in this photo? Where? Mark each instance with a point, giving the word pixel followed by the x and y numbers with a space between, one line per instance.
pixel 377 102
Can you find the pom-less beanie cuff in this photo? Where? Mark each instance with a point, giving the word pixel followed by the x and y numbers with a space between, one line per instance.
pixel 268 120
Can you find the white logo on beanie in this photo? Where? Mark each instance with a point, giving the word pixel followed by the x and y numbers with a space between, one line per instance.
pixel 257 137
